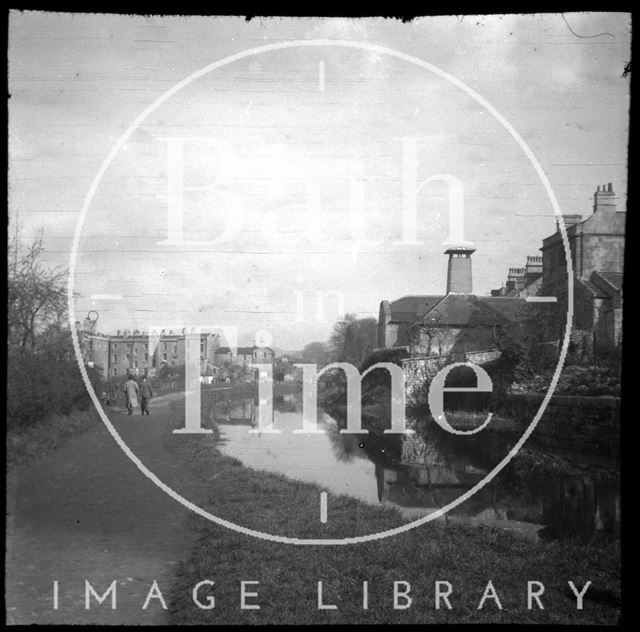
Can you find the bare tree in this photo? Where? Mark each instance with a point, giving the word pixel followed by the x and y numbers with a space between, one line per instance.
pixel 36 294
pixel 431 336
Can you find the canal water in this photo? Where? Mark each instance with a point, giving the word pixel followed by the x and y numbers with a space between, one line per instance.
pixel 415 475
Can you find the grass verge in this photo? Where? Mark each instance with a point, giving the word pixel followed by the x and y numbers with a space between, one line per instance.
pixel 288 575
pixel 26 445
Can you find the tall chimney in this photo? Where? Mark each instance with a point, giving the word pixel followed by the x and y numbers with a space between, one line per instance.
pixel 604 199
pixel 459 279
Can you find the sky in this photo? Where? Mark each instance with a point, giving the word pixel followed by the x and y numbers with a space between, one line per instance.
pixel 294 167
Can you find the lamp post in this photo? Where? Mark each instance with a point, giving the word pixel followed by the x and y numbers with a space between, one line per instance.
pixel 89 327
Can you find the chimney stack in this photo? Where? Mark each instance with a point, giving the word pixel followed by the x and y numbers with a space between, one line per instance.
pixel 533 269
pixel 604 199
pixel 459 280
pixel 516 278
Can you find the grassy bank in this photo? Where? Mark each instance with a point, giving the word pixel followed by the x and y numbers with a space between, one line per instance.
pixel 288 574
pixel 27 444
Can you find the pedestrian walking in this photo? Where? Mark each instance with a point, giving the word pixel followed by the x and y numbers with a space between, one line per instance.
pixel 131 393
pixel 146 393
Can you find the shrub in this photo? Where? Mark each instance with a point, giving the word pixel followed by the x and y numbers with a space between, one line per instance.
pixel 37 389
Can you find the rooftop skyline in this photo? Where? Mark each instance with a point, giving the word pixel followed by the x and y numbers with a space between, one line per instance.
pixel 280 147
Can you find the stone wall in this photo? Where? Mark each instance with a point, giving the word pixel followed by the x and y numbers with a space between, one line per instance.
pixel 582 430
pixel 420 370
pixel 588 425
pixel 602 252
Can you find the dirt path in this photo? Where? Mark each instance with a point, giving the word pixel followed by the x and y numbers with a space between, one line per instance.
pixel 86 513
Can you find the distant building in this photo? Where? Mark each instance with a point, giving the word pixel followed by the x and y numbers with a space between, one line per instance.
pixel 523 282
pixel 244 355
pixel 129 352
pixel 134 353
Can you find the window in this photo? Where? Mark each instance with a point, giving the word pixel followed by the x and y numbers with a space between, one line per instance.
pixel 115 371
pixel 164 356
pixel 146 357
pixel 175 347
pixel 164 346
pixel 135 364
pixel 173 362
pixel 115 358
pixel 135 350
pixel 128 357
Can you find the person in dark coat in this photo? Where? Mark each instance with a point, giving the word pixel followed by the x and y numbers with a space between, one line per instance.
pixel 146 393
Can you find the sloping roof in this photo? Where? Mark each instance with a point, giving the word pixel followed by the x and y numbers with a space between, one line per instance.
pixel 465 310
pixel 604 284
pixel 592 288
pixel 613 278
pixel 409 308
pixel 610 222
pixel 221 350
pixel 514 309
pixel 461 309
pixel 599 223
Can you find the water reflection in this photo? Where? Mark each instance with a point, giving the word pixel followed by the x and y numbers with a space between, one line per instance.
pixel 417 475
pixel 303 457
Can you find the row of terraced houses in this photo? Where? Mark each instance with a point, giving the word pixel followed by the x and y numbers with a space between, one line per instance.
pixel 132 352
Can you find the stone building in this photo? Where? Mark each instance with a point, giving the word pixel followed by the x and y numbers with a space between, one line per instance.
pixel 597 254
pixel 130 352
pixel 457 323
